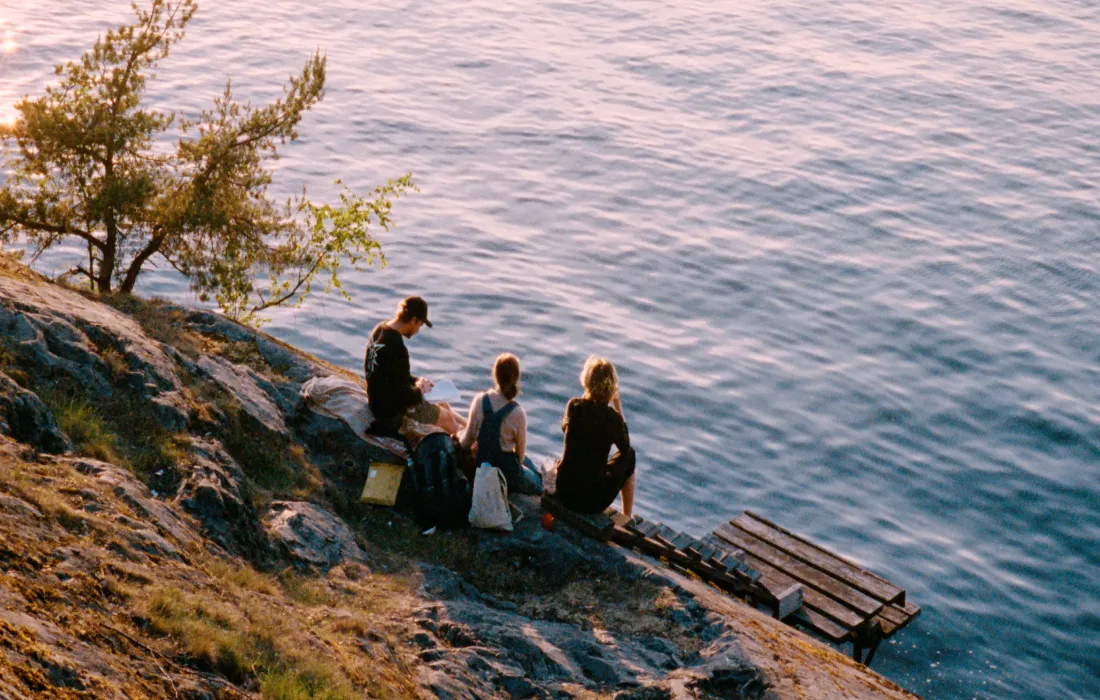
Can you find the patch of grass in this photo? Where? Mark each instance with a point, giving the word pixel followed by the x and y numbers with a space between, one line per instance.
pixel 116 430
pixel 9 365
pixel 283 469
pixel 244 352
pixel 43 492
pixel 244 644
pixel 242 578
pixel 11 266
pixel 84 425
pixel 306 590
pixel 115 362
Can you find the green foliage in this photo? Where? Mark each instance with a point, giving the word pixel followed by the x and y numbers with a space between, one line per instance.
pixel 87 160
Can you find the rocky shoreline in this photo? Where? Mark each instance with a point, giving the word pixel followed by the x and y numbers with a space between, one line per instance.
pixel 175 523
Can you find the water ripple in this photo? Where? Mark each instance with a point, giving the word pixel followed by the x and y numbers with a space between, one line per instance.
pixel 845 255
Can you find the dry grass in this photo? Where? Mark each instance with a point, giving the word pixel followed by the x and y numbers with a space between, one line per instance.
pixel 288 636
pixel 159 319
pixel 11 267
pixel 241 643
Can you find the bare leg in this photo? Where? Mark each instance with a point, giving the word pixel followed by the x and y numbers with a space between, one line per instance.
pixel 450 421
pixel 628 497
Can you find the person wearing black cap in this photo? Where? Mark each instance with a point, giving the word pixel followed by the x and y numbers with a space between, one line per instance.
pixel 392 391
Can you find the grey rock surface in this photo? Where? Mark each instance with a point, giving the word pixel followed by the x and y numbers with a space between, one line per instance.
pixel 172 411
pixel 215 491
pixel 25 418
pixel 489 648
pixel 310 535
pixel 61 334
pixel 144 504
pixel 294 365
pixel 252 392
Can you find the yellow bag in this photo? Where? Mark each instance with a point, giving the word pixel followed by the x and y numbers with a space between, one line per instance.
pixel 383 481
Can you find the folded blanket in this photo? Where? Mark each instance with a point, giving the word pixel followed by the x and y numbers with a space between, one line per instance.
pixel 346 400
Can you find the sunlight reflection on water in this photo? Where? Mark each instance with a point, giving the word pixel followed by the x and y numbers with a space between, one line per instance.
pixel 845 255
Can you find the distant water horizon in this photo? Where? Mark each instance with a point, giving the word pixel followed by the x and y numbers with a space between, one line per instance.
pixel 845 256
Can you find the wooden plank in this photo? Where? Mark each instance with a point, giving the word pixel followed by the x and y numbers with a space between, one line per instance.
pixel 732 556
pixel 819 557
pixel 624 537
pixel 822 625
pixel 894 617
pixel 707 551
pixel 665 534
pixel 598 526
pixel 617 518
pixel 683 541
pixel 789 601
pixel 799 570
pixel 890 621
pixel 775 581
pixel 910 609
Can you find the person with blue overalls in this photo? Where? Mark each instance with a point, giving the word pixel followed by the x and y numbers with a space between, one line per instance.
pixel 498 425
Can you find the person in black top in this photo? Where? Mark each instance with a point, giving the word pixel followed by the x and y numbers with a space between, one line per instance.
pixel 392 391
pixel 588 481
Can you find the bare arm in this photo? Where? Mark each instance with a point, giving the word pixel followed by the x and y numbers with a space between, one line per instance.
pixel 473 423
pixel 521 435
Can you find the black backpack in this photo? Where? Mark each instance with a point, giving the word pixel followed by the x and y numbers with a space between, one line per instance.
pixel 442 494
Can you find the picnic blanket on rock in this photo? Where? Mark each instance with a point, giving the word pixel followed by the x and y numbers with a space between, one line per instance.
pixel 346 400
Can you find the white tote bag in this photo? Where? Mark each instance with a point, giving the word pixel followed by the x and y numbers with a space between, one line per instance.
pixel 490 506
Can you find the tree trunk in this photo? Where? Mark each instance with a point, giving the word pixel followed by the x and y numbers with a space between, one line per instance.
pixel 139 260
pixel 110 249
pixel 107 264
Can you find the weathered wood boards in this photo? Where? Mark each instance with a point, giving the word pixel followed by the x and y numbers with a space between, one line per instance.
pixel 753 557
pixel 839 568
pixel 841 601
pixel 598 526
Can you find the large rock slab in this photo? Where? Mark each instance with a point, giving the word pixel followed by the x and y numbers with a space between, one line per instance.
pixel 61 334
pixel 215 491
pixel 25 418
pixel 294 365
pixel 252 391
pixel 311 536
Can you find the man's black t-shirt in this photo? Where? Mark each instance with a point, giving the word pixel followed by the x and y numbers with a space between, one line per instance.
pixel 391 387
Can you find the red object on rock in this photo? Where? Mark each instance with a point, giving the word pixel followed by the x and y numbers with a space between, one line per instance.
pixel 548 521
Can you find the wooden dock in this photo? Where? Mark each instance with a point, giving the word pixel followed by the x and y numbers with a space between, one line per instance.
pixel 753 558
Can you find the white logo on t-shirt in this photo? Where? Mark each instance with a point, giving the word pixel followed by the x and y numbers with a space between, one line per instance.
pixel 372 356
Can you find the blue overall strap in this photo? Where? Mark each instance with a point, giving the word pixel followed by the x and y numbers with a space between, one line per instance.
pixel 488 436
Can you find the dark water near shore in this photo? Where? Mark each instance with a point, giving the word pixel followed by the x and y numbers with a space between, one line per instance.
pixel 846 255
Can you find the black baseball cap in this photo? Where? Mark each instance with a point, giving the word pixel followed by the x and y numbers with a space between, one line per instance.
pixel 415 307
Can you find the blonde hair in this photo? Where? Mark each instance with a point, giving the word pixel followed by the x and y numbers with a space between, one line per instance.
pixel 599 379
pixel 506 375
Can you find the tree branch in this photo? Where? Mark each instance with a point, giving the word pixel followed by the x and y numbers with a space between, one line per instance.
pixel 290 294
pixel 62 230
pixel 80 269
pixel 134 269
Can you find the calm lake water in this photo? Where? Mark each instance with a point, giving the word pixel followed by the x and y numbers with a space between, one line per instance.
pixel 846 256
